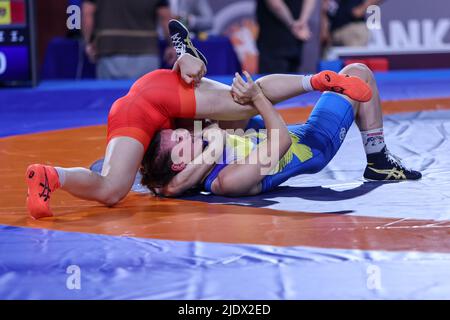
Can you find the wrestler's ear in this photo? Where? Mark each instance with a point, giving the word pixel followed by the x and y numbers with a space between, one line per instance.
pixel 177 167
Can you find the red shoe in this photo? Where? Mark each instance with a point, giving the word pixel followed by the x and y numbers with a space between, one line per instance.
pixel 42 181
pixel 353 87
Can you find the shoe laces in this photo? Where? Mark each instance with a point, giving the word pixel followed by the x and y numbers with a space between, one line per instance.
pixel 178 44
pixel 395 160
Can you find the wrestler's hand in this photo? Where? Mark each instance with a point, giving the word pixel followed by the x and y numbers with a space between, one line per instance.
pixel 191 68
pixel 244 92
pixel 237 95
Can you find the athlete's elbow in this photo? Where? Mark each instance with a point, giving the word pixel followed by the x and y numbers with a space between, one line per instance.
pixel 266 86
pixel 285 143
pixel 171 192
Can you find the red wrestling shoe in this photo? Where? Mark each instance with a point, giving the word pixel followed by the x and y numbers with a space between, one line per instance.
pixel 353 87
pixel 42 181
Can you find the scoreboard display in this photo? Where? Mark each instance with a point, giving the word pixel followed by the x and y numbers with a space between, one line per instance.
pixel 17 43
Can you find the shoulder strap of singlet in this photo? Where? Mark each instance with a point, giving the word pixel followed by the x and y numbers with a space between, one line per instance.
pixel 207 182
pixel 212 176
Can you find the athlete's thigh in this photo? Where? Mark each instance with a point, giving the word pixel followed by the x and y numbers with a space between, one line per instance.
pixel 214 101
pixel 122 160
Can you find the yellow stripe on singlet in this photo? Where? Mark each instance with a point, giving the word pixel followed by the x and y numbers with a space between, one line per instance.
pixel 239 147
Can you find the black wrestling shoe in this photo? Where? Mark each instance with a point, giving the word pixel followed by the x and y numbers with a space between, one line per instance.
pixel 384 165
pixel 182 42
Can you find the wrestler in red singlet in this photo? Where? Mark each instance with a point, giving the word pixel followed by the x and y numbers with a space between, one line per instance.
pixel 151 105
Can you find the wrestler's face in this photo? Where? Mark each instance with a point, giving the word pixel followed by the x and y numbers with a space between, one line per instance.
pixel 182 143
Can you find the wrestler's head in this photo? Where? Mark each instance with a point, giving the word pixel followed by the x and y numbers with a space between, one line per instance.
pixel 168 154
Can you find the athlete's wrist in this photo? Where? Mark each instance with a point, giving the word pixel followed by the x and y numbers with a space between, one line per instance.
pixel 258 97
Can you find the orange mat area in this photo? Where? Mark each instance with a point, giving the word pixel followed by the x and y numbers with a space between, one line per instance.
pixel 293 115
pixel 171 219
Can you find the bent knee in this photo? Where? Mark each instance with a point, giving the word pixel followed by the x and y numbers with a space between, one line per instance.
pixel 358 69
pixel 319 163
pixel 111 197
pixel 317 167
pixel 357 66
pixel 224 185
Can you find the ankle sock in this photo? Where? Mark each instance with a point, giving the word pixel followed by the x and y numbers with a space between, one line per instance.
pixel 306 83
pixel 61 175
pixel 373 140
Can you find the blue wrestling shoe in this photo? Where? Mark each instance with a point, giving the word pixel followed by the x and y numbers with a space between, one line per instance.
pixel 384 165
pixel 182 42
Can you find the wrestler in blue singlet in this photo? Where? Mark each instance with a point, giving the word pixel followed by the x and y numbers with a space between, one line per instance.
pixel 314 143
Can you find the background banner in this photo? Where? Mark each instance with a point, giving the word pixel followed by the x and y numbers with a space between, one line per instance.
pixel 405 25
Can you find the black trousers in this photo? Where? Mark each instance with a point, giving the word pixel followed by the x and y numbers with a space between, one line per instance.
pixel 273 61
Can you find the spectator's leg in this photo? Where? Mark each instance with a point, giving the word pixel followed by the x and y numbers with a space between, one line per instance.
pixel 112 67
pixel 105 67
pixel 269 63
pixel 293 64
pixel 360 34
pixel 137 66
pixel 351 35
pixel 126 66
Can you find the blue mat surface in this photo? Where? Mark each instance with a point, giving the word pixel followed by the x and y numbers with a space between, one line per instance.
pixel 43 264
pixel 68 104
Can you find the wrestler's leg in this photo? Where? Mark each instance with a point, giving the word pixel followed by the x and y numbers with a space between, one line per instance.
pixel 323 134
pixel 381 164
pixel 214 101
pixel 122 160
pixel 369 114
pixel 280 87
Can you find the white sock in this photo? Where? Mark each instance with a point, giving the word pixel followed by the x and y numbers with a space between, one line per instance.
pixel 306 83
pixel 61 175
pixel 373 140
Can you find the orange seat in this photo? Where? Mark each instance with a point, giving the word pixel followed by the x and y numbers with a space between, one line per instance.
pixel 378 64
pixel 374 64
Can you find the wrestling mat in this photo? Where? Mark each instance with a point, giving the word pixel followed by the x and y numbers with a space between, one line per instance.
pixel 331 235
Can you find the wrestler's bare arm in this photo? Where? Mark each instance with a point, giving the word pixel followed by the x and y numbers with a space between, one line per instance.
pixel 190 68
pixel 244 176
pixel 195 171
